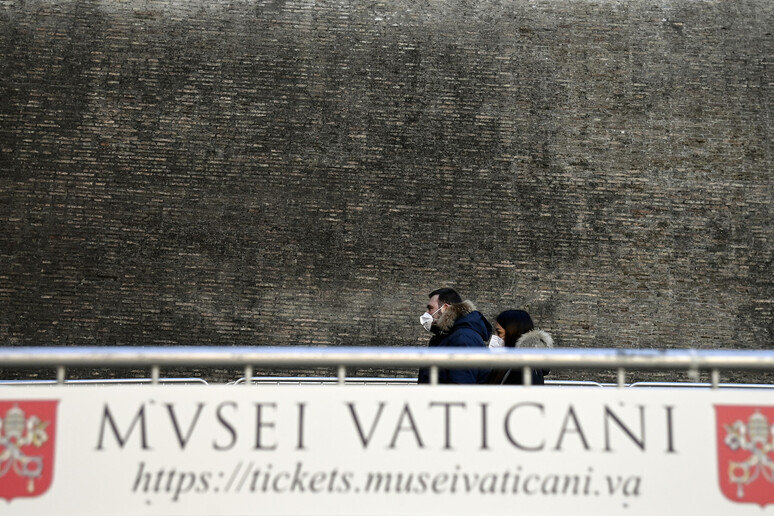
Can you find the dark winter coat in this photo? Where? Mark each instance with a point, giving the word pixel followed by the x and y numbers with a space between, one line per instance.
pixel 515 376
pixel 460 326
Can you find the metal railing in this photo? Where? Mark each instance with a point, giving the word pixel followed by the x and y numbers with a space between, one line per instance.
pixel 107 381
pixel 619 360
pixel 357 380
pixel 323 380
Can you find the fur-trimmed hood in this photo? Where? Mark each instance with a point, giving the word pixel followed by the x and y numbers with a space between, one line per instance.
pixel 535 339
pixel 449 317
pixel 460 326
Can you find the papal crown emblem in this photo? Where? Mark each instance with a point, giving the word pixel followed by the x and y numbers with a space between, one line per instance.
pixel 757 438
pixel 17 432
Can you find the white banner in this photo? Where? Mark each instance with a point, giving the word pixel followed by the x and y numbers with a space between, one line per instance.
pixel 384 450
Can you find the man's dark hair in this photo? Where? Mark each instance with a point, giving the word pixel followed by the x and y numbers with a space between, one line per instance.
pixel 447 296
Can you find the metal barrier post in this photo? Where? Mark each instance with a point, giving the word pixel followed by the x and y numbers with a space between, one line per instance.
pixel 715 378
pixel 60 374
pixel 434 375
pixel 693 369
pixel 155 374
pixel 621 377
pixel 526 376
pixel 248 374
pixel 342 375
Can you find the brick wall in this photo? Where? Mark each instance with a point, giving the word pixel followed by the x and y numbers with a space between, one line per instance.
pixel 280 172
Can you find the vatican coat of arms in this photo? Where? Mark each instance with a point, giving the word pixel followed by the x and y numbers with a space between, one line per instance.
pixel 27 437
pixel 745 443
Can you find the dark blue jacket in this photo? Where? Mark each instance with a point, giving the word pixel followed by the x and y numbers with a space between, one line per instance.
pixel 470 330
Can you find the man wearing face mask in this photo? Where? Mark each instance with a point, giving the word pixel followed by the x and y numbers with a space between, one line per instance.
pixel 454 323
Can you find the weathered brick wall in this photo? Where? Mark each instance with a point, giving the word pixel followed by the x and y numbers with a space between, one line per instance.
pixel 280 172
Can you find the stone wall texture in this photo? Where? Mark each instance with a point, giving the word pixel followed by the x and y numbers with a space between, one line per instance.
pixel 305 172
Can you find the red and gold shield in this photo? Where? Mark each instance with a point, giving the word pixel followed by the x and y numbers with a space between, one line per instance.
pixel 27 437
pixel 746 453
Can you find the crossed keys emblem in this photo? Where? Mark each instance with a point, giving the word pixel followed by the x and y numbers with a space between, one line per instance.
pixel 755 437
pixel 16 432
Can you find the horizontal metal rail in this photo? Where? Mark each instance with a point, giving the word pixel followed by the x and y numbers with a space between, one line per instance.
pixel 107 381
pixel 697 385
pixel 354 380
pixel 342 357
pixel 132 356
pixel 324 380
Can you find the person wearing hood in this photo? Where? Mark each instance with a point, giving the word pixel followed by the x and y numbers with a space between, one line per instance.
pixel 455 323
pixel 514 329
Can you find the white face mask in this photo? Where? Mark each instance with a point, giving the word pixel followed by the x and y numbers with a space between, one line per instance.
pixel 496 342
pixel 426 319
